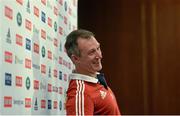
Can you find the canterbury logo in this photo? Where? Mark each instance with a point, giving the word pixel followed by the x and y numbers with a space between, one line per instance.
pixel 103 94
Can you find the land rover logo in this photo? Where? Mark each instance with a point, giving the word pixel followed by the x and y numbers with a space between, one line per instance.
pixel 19 19
pixel 28 83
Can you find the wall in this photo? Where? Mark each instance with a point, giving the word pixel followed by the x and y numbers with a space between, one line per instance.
pixel 140 45
pixel 34 66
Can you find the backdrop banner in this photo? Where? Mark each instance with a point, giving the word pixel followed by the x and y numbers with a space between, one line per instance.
pixel 34 66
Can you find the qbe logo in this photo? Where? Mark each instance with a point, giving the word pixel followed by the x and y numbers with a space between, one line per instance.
pixel 49 104
pixel 28 44
pixel 7 101
pixel 8 12
pixel 43 17
pixel 28 63
pixel 27 102
pixel 8 57
pixel 43 104
pixel 8 79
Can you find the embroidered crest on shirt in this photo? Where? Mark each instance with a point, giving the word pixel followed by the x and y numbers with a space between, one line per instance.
pixel 103 94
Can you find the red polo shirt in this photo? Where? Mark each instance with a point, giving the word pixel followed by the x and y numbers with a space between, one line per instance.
pixel 85 96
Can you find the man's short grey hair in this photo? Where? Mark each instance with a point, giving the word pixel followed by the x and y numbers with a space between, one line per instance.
pixel 71 44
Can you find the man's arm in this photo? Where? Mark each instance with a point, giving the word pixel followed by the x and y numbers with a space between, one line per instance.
pixel 80 105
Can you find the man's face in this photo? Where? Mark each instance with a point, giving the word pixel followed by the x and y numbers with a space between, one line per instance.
pixel 89 61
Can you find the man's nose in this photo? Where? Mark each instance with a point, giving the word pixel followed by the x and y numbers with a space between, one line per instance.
pixel 99 54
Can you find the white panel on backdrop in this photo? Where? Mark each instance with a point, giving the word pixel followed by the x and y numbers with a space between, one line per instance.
pixel 33 62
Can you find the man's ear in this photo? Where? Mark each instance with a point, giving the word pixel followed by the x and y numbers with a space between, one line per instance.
pixel 74 58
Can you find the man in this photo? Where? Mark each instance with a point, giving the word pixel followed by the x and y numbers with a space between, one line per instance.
pixel 86 95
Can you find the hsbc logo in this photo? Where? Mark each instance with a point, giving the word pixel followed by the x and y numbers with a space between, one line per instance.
pixel 28 24
pixel 65 20
pixel 28 44
pixel 55 42
pixel 55 73
pixel 36 48
pixel 43 68
pixel 60 2
pixel 55 11
pixel 70 11
pixel 27 102
pixel 49 87
pixel 8 79
pixel 55 104
pixel 7 101
pixel 8 12
pixel 19 40
pixel 28 63
pixel 60 90
pixel 49 21
pixel 36 84
pixel 43 104
pixel 20 2
pixel 43 17
pixel 60 60
pixel 49 54
pixel 8 57
pixel 43 34
pixel 65 77
pixel 19 81
pixel 36 11
pixel 44 2
pixel 60 30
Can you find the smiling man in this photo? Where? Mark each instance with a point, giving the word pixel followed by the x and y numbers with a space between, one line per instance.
pixel 88 92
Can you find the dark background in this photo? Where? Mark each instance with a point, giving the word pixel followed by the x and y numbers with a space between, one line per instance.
pixel 140 41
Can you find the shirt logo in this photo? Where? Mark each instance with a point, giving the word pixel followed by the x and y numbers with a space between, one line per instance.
pixel 103 94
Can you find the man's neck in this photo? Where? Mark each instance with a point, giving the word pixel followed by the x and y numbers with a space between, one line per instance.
pixel 86 73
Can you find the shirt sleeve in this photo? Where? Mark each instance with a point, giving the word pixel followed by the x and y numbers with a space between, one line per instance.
pixel 80 104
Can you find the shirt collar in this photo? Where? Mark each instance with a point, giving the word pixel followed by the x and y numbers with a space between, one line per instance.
pixel 76 76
